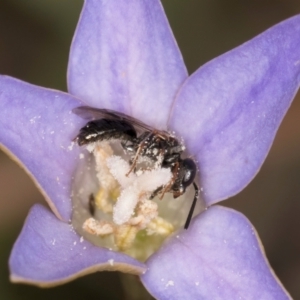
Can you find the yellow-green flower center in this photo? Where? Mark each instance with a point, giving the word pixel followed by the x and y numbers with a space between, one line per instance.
pixel 112 206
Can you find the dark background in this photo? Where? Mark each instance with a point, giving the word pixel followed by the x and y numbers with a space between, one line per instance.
pixel 35 37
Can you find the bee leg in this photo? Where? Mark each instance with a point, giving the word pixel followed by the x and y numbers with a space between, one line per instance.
pixel 134 169
pixel 156 192
pixel 167 188
pixel 134 160
pixel 190 215
pixel 141 147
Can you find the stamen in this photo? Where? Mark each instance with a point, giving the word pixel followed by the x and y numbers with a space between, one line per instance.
pixel 124 236
pixel 104 198
pixel 160 226
pixel 102 151
pixel 97 228
pixel 126 203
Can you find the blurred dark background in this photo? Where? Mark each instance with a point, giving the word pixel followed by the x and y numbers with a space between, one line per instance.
pixel 35 37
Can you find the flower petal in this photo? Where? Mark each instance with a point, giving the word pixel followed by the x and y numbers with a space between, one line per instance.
pixel 124 57
pixel 230 109
pixel 49 252
pixel 218 257
pixel 37 128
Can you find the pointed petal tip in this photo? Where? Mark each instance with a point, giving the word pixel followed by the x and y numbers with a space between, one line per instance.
pixel 233 106
pixel 124 57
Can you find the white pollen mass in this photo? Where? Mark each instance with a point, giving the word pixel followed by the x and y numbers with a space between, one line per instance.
pixel 118 167
pixel 135 188
pixel 126 203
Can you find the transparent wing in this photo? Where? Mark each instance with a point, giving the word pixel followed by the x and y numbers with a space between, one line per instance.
pixel 91 113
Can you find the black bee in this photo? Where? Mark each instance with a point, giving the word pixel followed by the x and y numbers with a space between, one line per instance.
pixel 141 140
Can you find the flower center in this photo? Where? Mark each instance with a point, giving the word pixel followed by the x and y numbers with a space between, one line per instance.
pixel 125 208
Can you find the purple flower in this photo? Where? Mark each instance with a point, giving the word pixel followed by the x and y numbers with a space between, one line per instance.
pixel 124 57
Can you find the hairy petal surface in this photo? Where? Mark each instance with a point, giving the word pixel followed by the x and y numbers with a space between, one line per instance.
pixel 37 128
pixel 124 57
pixel 218 257
pixel 49 252
pixel 230 109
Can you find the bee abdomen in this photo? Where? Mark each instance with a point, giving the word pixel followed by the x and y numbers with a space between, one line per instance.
pixel 105 129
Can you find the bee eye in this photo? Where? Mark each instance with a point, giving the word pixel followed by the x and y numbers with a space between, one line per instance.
pixel 187 176
pixel 190 171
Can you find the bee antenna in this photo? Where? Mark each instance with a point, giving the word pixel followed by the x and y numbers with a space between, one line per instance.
pixel 190 215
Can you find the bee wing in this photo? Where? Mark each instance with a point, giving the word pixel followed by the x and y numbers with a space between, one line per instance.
pixel 91 113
